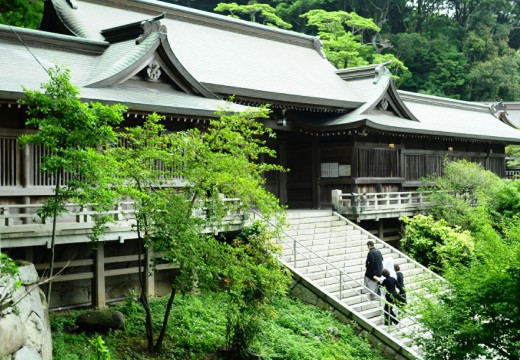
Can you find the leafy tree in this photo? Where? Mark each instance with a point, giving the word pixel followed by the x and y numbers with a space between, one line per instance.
pixel 213 165
pixel 513 151
pixel 342 35
pixel 506 202
pixel 462 194
pixel 435 244
pixel 421 11
pixel 72 132
pixel 253 278
pixel 263 13
pixel 292 10
pixel 494 80
pixel 23 13
pixel 478 315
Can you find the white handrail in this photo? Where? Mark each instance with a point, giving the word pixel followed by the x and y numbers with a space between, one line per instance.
pixel 381 242
pixel 365 293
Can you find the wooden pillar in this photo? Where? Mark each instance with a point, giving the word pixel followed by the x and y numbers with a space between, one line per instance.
pixel 380 230
pixel 316 173
pixel 24 172
pixel 98 291
pixel 282 176
pixel 149 281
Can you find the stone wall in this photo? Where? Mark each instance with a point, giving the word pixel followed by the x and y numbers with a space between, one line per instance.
pixel 25 332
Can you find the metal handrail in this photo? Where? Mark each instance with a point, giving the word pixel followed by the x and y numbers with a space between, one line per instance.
pixel 341 272
pixel 379 241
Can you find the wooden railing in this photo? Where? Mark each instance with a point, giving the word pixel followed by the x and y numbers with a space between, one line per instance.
pixel 513 174
pixel 17 220
pixel 375 205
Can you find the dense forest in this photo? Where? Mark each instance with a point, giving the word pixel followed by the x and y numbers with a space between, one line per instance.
pixel 464 49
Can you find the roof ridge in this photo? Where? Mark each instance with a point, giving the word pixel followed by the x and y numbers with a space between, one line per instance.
pixel 220 21
pixel 44 37
pixel 438 100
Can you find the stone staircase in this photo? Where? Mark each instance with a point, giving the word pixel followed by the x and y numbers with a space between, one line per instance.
pixel 329 252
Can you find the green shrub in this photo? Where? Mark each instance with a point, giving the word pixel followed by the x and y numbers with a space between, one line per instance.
pixel 435 244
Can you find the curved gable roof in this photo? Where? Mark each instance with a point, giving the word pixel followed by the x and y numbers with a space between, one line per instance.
pixel 125 59
pixel 81 56
pixel 378 88
pixel 233 57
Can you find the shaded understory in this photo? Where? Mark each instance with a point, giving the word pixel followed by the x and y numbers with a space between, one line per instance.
pixel 197 330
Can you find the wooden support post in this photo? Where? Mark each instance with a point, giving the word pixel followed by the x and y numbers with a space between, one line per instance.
pixel 149 272
pixel 380 230
pixel 98 288
pixel 282 176
pixel 316 174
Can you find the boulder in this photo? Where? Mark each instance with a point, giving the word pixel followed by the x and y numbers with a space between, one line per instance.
pixel 12 334
pixel 100 321
pixel 27 353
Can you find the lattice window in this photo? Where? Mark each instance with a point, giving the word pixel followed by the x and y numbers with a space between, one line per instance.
pixel 9 161
pixel 414 167
pixel 378 162
pixel 37 177
pixel 434 165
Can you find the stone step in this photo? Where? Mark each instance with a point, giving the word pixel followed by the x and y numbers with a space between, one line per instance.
pixel 348 289
pixel 314 220
pixel 297 214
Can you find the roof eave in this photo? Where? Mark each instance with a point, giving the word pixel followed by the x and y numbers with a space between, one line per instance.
pixel 267 96
pixel 399 130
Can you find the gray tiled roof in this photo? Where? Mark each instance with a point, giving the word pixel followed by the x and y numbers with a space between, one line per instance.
pixel 513 111
pixel 234 57
pixel 20 68
pixel 122 56
pixel 436 117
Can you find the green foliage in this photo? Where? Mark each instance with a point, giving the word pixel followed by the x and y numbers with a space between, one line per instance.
pixel 292 9
pixel 102 352
pixel 22 13
pixel 215 166
pixel 7 266
pixel 513 151
pixel 8 275
pixel 255 11
pixel 435 244
pixel 478 316
pixel 304 332
pixel 495 79
pixel 507 200
pixel 462 194
pixel 342 33
pixel 197 330
pixel 72 133
pixel 253 277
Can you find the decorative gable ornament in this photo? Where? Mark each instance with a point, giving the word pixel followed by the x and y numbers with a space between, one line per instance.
pixel 153 71
pixel 383 104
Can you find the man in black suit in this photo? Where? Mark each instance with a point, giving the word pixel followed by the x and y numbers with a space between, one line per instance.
pixel 374 267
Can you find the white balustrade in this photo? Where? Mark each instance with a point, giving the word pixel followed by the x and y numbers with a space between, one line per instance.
pixel 378 203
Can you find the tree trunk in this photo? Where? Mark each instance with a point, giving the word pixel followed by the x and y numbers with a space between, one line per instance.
pixel 53 236
pixel 142 297
pixel 159 343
